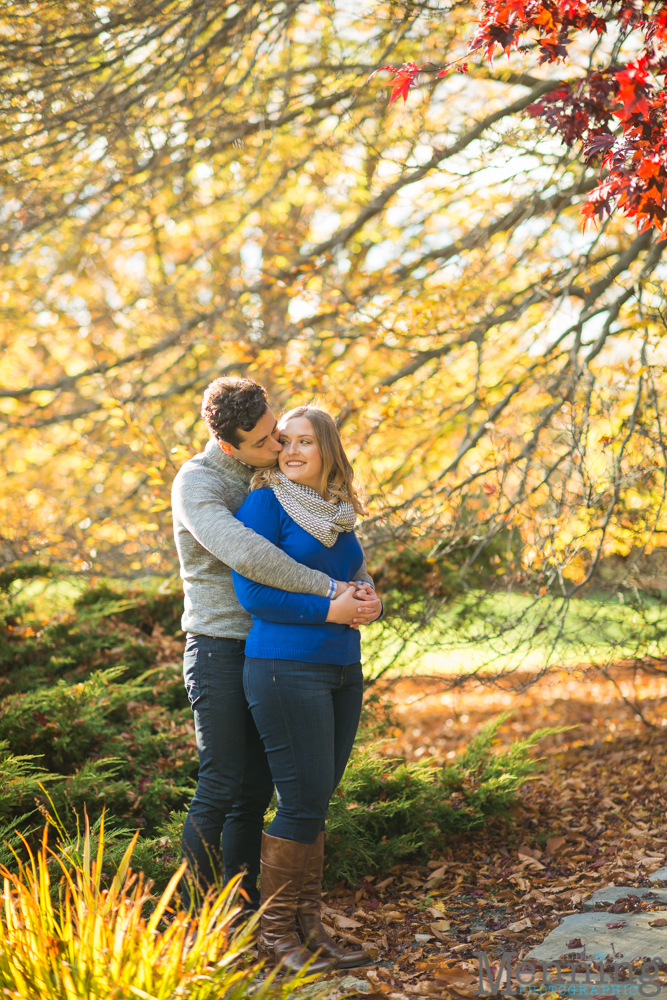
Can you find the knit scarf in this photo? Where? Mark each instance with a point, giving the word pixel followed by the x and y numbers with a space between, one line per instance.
pixel 320 518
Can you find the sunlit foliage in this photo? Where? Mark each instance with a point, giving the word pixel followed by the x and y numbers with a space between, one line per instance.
pixel 191 190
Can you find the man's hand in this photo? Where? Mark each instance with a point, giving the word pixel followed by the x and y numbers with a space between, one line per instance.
pixel 370 607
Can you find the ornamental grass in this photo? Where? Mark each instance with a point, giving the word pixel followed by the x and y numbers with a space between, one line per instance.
pixel 70 931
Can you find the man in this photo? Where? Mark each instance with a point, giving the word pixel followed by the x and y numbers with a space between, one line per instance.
pixel 234 787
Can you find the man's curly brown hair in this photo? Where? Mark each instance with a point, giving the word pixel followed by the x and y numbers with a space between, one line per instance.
pixel 231 405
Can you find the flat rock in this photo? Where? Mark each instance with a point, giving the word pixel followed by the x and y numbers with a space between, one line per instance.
pixel 634 940
pixel 659 876
pixel 334 988
pixel 609 894
pixel 351 984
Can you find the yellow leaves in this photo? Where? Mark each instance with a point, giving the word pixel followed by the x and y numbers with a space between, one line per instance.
pixel 114 534
pixel 155 472
pixel 43 398
pixel 141 275
pixel 110 404
pixel 160 504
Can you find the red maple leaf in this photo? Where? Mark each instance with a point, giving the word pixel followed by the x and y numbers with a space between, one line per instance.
pixel 632 90
pixel 403 81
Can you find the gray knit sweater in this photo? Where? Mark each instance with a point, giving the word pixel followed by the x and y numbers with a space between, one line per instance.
pixel 207 492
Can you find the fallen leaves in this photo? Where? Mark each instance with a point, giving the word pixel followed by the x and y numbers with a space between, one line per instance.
pixel 503 888
pixel 625 904
pixel 456 979
pixel 520 925
pixel 440 926
pixel 345 923
pixel 555 844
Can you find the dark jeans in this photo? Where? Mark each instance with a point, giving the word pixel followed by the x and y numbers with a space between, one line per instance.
pixel 235 785
pixel 307 715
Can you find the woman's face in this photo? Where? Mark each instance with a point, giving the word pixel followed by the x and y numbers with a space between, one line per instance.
pixel 300 459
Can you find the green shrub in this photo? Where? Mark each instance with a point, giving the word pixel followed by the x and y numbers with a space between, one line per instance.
pixel 105 627
pixel 104 743
pixel 89 723
pixel 385 810
pixel 69 648
pixel 135 607
pixel 21 780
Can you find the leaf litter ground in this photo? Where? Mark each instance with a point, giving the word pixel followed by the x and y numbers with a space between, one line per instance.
pixel 595 817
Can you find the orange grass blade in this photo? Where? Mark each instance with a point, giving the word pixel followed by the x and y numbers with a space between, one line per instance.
pixel 121 874
pixel 97 872
pixel 156 916
pixel 86 844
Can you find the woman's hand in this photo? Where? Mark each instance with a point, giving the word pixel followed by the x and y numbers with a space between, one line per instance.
pixel 344 609
pixel 357 605
pixel 371 607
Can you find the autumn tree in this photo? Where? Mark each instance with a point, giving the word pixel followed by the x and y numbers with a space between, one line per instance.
pixel 190 190
pixel 611 106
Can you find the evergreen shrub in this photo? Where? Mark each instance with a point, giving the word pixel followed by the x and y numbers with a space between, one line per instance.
pixel 386 811
pixel 93 717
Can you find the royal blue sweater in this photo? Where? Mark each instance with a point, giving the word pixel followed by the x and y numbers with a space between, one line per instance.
pixel 293 626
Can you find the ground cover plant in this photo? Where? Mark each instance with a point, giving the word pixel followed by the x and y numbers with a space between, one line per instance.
pixel 94 718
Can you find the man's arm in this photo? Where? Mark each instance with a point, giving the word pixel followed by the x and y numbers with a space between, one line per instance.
pixel 363 574
pixel 199 507
pixel 373 607
pixel 261 513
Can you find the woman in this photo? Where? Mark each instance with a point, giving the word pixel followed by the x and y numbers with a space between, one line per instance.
pixel 303 679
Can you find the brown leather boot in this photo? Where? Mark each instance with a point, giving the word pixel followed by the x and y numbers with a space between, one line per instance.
pixel 309 911
pixel 283 865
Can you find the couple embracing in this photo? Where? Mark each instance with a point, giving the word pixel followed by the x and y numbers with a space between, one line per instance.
pixel 276 587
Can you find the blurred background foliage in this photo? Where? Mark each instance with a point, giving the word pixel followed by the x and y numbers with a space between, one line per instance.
pixel 191 189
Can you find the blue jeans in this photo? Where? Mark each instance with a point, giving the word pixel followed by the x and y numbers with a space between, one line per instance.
pixel 307 715
pixel 234 783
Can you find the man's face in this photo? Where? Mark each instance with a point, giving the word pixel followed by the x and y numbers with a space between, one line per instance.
pixel 260 446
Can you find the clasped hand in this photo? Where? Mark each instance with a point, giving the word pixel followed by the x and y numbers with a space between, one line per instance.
pixel 355 604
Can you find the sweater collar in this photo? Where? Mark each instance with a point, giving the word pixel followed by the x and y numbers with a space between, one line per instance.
pixel 226 463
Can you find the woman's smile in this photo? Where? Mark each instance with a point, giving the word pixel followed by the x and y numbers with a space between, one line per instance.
pixel 300 458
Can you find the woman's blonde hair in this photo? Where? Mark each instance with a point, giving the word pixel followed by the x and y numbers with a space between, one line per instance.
pixel 337 473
